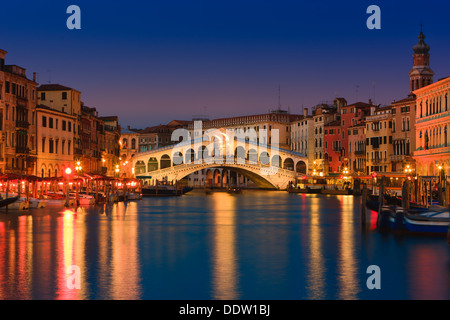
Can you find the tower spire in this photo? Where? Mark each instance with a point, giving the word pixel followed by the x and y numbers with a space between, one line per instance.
pixel 421 75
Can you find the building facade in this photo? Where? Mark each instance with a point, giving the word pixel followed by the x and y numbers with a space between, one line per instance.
pixel 302 132
pixel 357 149
pixel 66 100
pixel 111 148
pixel 333 147
pixel 18 100
pixel 379 140
pixel 323 115
pixel 55 141
pixel 403 134
pixel 432 128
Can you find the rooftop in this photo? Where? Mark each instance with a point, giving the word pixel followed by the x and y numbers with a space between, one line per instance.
pixel 53 87
pixel 336 123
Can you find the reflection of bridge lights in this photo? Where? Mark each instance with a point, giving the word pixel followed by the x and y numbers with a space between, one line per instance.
pixel 68 214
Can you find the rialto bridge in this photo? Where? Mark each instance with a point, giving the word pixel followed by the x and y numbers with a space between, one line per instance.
pixel 267 166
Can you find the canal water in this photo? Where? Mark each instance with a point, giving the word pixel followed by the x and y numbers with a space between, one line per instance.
pixel 256 245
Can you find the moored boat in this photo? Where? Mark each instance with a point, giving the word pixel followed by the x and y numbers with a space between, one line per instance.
pixel 396 219
pixel 383 219
pixel 234 190
pixel 19 204
pixel 9 201
pixel 37 203
pixel 161 191
pixel 429 222
pixel 133 196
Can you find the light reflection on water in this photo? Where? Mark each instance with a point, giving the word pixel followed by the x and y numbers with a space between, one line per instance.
pixel 256 245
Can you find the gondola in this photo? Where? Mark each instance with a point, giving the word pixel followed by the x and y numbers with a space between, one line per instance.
pixel 6 202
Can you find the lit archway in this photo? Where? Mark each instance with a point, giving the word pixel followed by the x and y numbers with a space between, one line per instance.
pixel 165 162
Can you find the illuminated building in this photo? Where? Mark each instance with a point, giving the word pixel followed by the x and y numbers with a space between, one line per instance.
pixel 379 140
pixel 18 101
pixel 54 141
pixel 432 126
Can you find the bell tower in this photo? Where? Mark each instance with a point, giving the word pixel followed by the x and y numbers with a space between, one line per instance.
pixel 421 75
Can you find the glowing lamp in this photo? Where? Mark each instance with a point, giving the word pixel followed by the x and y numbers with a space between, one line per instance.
pixel 68 171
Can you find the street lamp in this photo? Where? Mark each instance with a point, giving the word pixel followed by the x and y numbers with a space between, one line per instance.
pixel 78 167
pixel 117 170
pixel 68 173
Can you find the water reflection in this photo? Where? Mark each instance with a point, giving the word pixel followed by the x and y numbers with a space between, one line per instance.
pixel 348 264
pixel 429 279
pixel 124 265
pixel 70 245
pixel 38 249
pixel 261 245
pixel 316 265
pixel 224 254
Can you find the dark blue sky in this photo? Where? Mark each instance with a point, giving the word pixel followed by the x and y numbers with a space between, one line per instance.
pixel 153 61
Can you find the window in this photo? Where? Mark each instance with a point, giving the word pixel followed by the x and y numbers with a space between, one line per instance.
pixel 43 144
pixel 62 146
pixel 56 124
pixel 43 96
pixel 50 123
pixel 64 95
pixel 56 146
pixel 64 123
pixel 44 121
pixel 50 146
pixel 68 147
pixel 70 126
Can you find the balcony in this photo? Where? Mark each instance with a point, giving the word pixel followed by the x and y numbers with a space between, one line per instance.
pixel 22 150
pixel 441 151
pixel 22 124
pixel 400 157
pixel 22 101
pixel 360 153
pixel 378 161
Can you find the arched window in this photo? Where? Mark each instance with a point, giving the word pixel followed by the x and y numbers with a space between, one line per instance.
pixel 445 137
pixel 133 144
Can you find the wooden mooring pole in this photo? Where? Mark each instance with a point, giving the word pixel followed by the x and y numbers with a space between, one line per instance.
pixel 363 204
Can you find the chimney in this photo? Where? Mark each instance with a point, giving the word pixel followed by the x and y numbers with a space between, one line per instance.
pixel 305 111
pixel 34 76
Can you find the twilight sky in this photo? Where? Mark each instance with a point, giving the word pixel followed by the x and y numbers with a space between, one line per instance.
pixel 150 62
